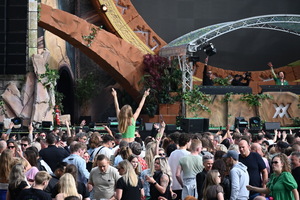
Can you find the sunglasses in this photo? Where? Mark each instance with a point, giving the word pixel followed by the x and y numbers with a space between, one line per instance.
pixel 11 147
pixel 161 154
pixel 25 145
pixel 274 162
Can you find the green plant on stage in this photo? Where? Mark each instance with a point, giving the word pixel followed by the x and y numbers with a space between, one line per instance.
pixel 2 108
pixel 254 99
pixel 296 121
pixel 162 77
pixel 58 101
pixel 39 12
pixel 227 97
pixel 49 78
pixel 86 88
pixel 222 81
pixel 194 99
pixel 89 38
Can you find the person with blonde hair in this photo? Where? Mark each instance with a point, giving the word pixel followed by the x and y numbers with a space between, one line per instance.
pixel 67 187
pixel 17 182
pixel 6 163
pixel 126 118
pixel 212 189
pixel 128 186
pixel 161 180
pixel 41 181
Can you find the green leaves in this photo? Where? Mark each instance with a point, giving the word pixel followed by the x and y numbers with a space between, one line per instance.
pixel 194 99
pixel 254 99
pixel 89 38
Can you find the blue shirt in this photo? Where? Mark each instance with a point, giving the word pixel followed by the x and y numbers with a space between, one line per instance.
pixel 79 162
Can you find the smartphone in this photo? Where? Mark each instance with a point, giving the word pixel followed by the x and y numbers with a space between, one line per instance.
pixel 161 118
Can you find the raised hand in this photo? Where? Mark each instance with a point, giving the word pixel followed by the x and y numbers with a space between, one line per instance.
pixel 113 92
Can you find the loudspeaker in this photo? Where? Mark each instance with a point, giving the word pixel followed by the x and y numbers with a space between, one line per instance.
pixel 193 125
pixel 46 124
pixel 272 125
pixel 171 128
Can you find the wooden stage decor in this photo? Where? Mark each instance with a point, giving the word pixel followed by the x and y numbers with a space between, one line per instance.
pixel 281 108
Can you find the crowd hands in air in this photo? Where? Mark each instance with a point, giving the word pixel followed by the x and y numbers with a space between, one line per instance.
pixel 226 165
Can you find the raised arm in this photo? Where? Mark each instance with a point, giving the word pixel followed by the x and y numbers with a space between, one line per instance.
pixel 272 70
pixel 114 93
pixel 138 110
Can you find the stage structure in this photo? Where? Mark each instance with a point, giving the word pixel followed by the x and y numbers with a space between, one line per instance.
pixel 187 47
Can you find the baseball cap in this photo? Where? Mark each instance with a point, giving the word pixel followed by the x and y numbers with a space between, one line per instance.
pixel 232 154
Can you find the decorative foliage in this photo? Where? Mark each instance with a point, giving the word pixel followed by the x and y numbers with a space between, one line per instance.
pixel 39 12
pixel 49 78
pixel 222 81
pixel 89 38
pixel 296 121
pixel 86 88
pixel 58 101
pixel 162 77
pixel 227 97
pixel 253 99
pixel 2 109
pixel 194 99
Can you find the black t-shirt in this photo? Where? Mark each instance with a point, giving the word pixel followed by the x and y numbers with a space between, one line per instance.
pixel 129 192
pixel 81 189
pixel 296 174
pixel 34 194
pixel 14 192
pixel 200 178
pixel 255 164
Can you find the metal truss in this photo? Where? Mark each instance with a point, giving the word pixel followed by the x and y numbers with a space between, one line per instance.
pixel 187 73
pixel 281 22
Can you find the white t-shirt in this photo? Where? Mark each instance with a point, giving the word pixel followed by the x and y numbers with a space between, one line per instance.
pixel 173 162
pixel 103 150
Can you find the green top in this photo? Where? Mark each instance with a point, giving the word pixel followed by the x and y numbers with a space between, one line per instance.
pixel 278 80
pixel 281 186
pixel 191 165
pixel 130 130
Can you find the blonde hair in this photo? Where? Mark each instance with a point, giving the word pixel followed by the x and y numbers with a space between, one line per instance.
pixel 67 185
pixel 150 152
pixel 129 175
pixel 6 163
pixel 165 167
pixel 124 118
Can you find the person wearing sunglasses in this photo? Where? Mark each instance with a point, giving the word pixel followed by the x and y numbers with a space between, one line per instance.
pixel 212 188
pixel 282 184
pixel 25 143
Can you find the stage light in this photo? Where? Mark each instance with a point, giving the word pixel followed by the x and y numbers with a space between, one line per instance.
pixel 209 49
pixel 240 123
pixel 104 8
pixel 255 123
pixel 17 122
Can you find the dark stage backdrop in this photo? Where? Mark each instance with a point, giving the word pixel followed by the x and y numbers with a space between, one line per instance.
pixel 244 49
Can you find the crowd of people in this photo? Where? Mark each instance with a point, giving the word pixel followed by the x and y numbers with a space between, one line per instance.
pixel 206 166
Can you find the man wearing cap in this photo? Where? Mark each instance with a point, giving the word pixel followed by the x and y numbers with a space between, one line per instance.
pixel 238 175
